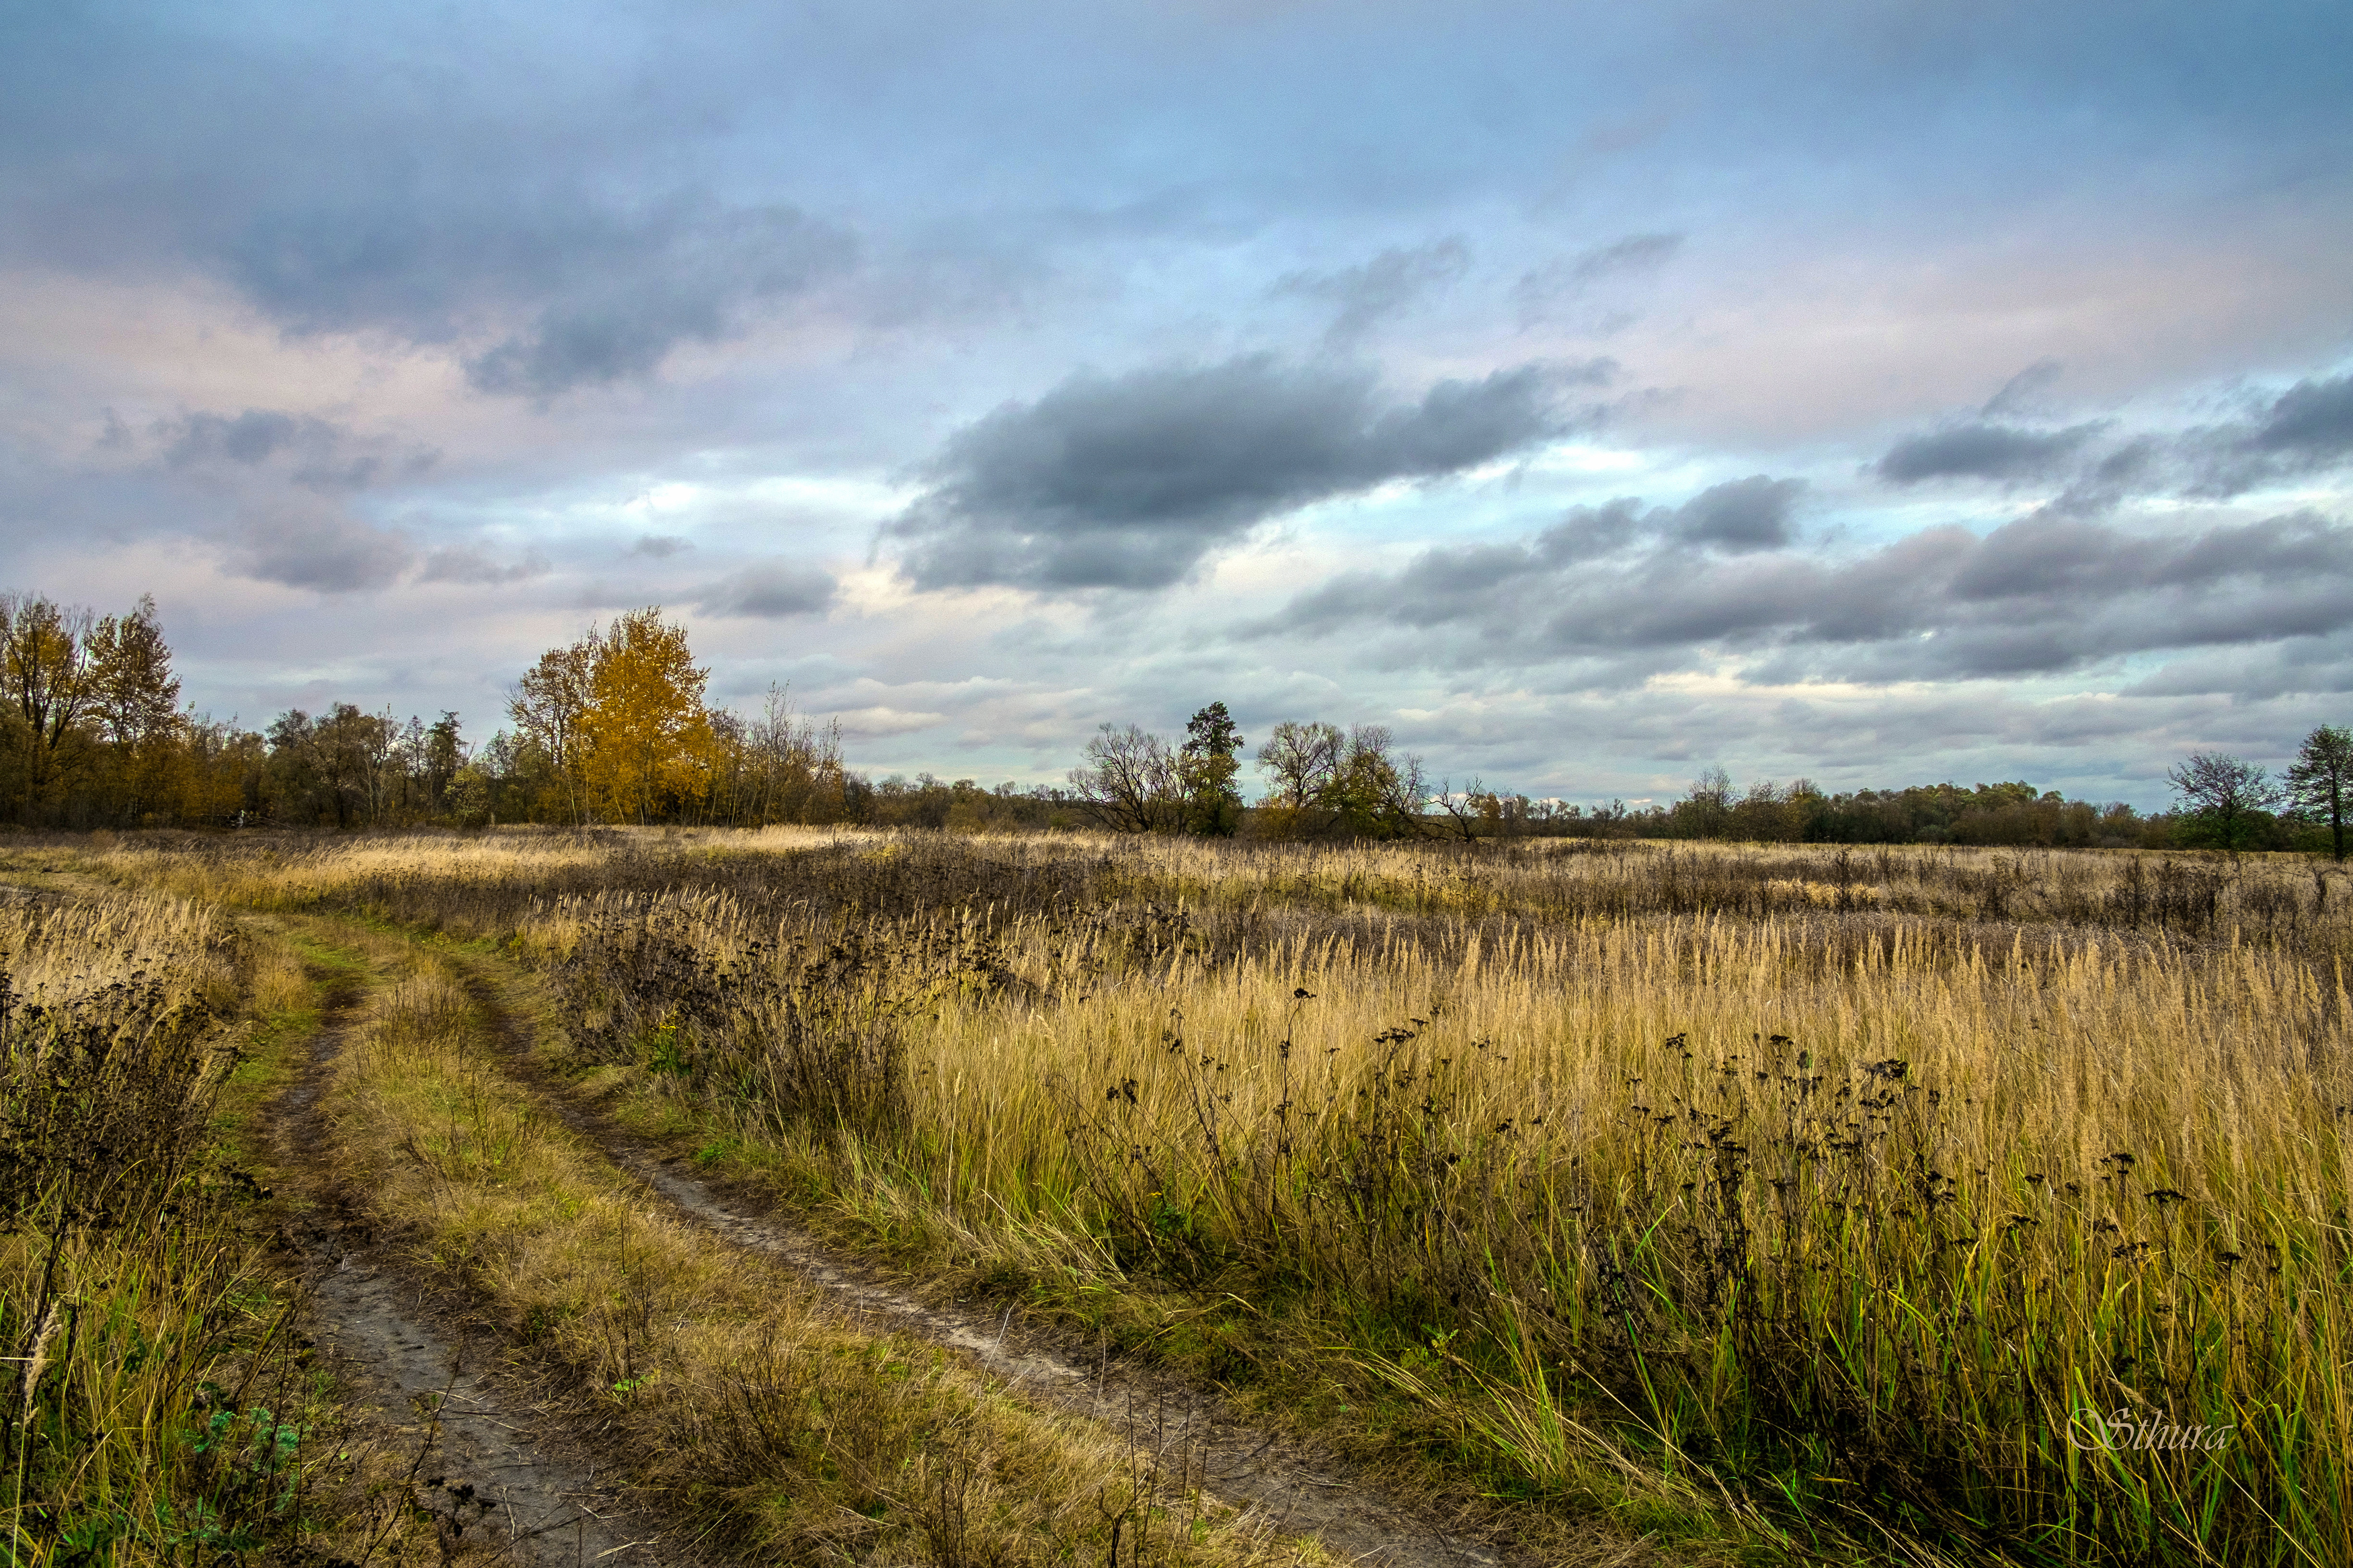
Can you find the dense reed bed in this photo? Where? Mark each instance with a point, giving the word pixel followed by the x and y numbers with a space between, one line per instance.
pixel 1980 1203
pixel 153 1411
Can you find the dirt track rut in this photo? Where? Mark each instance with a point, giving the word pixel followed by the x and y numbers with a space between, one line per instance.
pixel 491 1466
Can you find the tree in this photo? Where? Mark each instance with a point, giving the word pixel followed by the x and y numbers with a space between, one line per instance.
pixel 1131 782
pixel 1209 766
pixel 331 766
pixel 2225 794
pixel 1300 761
pixel 134 695
pixel 1375 793
pixel 2320 777
pixel 135 701
pixel 547 705
pixel 1475 812
pixel 444 753
pixel 646 741
pixel 1705 812
pixel 794 771
pixel 44 683
pixel 1352 785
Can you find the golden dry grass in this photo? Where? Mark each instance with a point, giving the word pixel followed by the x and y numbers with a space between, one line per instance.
pixel 150 1411
pixel 1844 1184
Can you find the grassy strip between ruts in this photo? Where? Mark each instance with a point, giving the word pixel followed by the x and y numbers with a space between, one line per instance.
pixel 785 1432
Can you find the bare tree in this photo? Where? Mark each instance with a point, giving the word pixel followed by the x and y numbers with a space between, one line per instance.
pixel 1131 782
pixel 2226 793
pixel 2320 778
pixel 1299 760
pixel 1466 810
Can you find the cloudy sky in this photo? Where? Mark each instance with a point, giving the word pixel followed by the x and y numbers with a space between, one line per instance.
pixel 1878 392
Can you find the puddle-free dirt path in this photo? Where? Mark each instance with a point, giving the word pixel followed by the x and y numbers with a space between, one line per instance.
pixel 1184 1431
pixel 492 1467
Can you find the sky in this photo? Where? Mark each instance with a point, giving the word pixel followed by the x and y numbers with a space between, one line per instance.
pixel 1592 393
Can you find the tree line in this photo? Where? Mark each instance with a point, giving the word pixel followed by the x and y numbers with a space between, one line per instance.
pixel 615 727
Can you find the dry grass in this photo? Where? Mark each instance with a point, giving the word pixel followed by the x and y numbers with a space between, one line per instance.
pixel 154 1409
pixel 1842 1185
pixel 723 1381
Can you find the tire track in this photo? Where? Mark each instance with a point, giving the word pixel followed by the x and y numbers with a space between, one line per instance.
pixel 494 1469
pixel 1177 1428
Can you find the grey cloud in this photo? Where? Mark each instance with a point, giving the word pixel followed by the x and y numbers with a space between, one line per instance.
pixel 660 546
pixel 253 437
pixel 1381 288
pixel 325 550
pixel 1635 253
pixel 1744 515
pixel 2308 665
pixel 1543 290
pixel 1983 450
pixel 770 591
pixel 2021 395
pixel 322 455
pixel 463 563
pixel 2312 419
pixel 1129 481
pixel 560 254
pixel 2305 430
pixel 1466 583
pixel 686 275
pixel 2043 595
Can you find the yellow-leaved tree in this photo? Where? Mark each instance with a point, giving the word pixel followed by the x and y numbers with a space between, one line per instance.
pixel 646 742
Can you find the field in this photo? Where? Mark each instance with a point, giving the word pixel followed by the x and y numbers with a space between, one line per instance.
pixel 1610 1201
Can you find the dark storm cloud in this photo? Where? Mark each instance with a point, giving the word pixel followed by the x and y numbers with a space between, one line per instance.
pixel 774 591
pixel 1624 590
pixel 660 546
pixel 1388 284
pixel 1129 481
pixel 1983 450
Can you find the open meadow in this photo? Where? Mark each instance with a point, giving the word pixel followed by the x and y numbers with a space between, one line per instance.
pixel 1705 1202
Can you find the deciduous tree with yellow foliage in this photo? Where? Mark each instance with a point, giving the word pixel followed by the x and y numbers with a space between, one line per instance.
pixel 646 742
